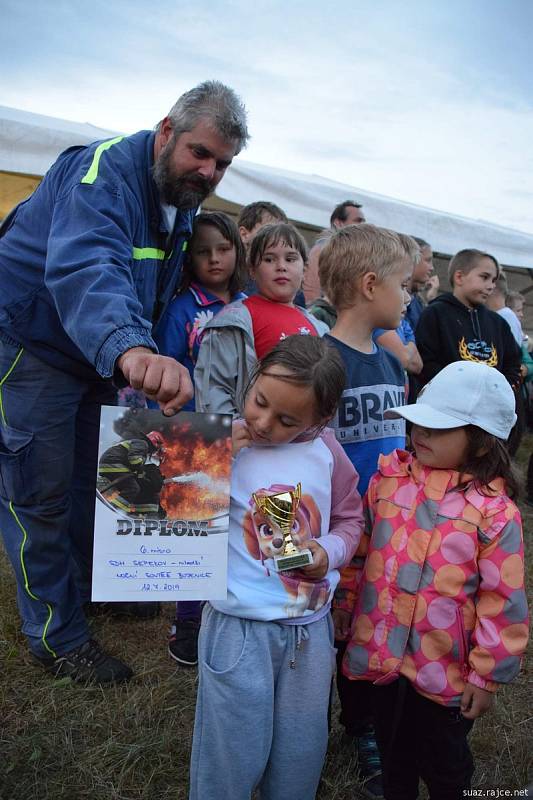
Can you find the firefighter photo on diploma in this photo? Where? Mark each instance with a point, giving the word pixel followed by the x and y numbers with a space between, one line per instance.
pixel 129 477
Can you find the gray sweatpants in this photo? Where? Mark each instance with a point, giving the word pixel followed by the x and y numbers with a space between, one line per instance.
pixel 262 708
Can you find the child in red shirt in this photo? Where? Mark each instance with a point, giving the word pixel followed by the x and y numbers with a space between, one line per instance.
pixel 246 330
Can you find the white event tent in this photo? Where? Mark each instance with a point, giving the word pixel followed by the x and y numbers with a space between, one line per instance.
pixel 29 143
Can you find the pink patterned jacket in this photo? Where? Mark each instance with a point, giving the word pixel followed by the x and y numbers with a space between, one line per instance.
pixel 441 597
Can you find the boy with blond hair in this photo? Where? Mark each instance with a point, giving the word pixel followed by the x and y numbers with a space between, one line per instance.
pixel 364 271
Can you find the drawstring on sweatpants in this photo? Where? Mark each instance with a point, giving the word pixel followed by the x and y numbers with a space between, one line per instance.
pixel 299 635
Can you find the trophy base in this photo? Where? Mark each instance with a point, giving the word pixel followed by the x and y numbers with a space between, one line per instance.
pixel 293 561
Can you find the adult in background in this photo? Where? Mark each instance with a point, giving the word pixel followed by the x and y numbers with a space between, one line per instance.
pixel 347 213
pixel 87 265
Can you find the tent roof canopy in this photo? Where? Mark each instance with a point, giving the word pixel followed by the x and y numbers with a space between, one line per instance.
pixel 30 143
pixel 311 198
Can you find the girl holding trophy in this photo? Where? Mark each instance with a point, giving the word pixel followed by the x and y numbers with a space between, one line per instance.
pixel 266 654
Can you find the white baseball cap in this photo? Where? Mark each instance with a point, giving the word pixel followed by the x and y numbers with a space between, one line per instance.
pixel 463 393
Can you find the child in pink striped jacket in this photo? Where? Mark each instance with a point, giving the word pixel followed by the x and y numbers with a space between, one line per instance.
pixel 439 616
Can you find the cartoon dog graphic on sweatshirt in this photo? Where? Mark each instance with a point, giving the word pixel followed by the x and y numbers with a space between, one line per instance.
pixel 264 540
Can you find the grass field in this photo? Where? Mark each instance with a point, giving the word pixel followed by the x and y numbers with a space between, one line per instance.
pixel 60 741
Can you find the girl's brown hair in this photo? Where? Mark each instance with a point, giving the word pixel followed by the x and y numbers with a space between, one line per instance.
pixel 226 226
pixel 270 236
pixel 307 361
pixel 487 458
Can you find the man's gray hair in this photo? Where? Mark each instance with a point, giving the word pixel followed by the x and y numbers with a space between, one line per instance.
pixel 220 104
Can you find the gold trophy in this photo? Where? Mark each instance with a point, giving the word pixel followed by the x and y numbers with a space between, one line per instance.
pixel 281 510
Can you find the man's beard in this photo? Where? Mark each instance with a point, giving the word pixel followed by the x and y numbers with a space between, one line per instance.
pixel 184 191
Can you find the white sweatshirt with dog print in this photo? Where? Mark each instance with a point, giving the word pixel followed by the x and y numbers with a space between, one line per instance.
pixel 330 510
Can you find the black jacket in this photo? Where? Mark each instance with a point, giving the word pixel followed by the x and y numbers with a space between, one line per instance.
pixel 450 331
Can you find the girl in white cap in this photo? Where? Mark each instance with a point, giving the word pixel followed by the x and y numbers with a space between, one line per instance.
pixel 438 618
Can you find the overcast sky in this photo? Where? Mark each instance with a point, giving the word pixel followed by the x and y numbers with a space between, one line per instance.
pixel 429 101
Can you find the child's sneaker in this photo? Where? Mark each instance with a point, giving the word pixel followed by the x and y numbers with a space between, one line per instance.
pixel 183 642
pixel 87 663
pixel 369 764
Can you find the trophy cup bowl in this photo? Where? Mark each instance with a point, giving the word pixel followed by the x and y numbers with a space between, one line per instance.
pixel 280 509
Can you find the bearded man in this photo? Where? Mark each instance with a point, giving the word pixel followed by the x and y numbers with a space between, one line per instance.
pixel 88 264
